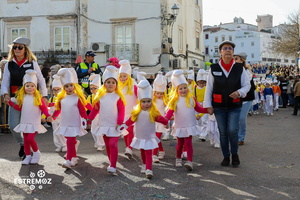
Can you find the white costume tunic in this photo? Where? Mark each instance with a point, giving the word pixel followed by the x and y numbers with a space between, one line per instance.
pixel 130 102
pixel 160 128
pixel 185 120
pixel 106 120
pixel 70 124
pixel 30 117
pixel 145 137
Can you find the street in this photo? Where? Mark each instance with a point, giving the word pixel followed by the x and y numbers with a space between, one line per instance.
pixel 270 169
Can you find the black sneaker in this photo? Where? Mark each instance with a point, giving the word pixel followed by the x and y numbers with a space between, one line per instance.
pixel 225 162
pixel 235 160
pixel 21 151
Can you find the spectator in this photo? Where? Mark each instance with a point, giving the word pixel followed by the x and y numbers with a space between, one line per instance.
pixel 86 69
pixel 227 83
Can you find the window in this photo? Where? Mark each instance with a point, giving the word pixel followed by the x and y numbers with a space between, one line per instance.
pixel 18 32
pixel 216 39
pixel 123 34
pixel 216 60
pixel 230 38
pixel 223 38
pixel 62 35
pixel 242 44
pixel 197 2
pixel 252 55
pixel 206 36
pixel 123 37
pixel 286 60
pixel 20 27
pixel 197 40
pixel 180 38
pixel 206 50
pixel 62 38
pixel 252 43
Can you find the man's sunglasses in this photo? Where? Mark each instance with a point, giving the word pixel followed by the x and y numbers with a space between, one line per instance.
pixel 18 47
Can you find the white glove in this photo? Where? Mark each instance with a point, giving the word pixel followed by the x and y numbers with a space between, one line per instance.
pixel 122 127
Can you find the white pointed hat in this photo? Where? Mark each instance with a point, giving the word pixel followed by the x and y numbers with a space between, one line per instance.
pixel 95 79
pixel 144 90
pixel 178 78
pixel 56 81
pixel 191 74
pixel 159 83
pixel 125 67
pixel 110 72
pixel 135 71
pixel 168 75
pixel 202 75
pixel 30 76
pixel 141 76
pixel 67 75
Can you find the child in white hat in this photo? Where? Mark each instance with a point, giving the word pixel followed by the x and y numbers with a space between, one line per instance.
pixel 59 140
pixel 169 91
pixel 199 93
pixel 71 104
pixel 109 111
pixel 30 103
pixel 95 84
pixel 129 90
pixel 161 100
pixel 144 115
pixel 183 105
pixel 191 80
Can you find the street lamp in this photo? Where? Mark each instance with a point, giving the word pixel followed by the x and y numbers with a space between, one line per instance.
pixel 171 18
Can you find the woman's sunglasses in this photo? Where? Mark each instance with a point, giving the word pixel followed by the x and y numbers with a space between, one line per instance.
pixel 18 47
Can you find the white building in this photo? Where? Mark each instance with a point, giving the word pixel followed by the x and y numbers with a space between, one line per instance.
pixel 247 39
pixel 134 30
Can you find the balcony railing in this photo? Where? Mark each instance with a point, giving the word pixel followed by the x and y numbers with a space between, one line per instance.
pixel 123 52
pixel 55 57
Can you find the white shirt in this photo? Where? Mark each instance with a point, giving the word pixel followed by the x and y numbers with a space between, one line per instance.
pixel 5 86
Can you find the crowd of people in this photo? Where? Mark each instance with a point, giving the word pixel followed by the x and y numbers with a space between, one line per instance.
pixel 110 103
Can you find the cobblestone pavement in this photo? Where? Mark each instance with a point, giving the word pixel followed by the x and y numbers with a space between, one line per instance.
pixel 270 169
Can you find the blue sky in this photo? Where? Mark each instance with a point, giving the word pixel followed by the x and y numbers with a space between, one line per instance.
pixel 216 11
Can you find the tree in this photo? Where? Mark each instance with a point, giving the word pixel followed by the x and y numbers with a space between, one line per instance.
pixel 286 41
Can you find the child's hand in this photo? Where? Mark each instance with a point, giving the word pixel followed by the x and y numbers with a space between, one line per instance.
pixel 88 127
pixel 121 127
pixel 198 117
pixel 50 119
pixel 43 120
pixel 210 110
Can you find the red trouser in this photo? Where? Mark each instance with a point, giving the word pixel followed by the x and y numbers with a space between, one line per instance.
pixel 147 158
pixel 160 147
pixel 71 150
pixel 187 142
pixel 111 145
pixel 29 141
pixel 128 138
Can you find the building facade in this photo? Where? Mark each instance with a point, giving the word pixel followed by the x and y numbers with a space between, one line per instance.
pixel 146 33
pixel 247 39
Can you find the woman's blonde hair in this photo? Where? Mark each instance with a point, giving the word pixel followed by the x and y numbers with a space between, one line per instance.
pixel 174 99
pixel 37 97
pixel 128 83
pixel 102 91
pixel 77 90
pixel 153 112
pixel 28 54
